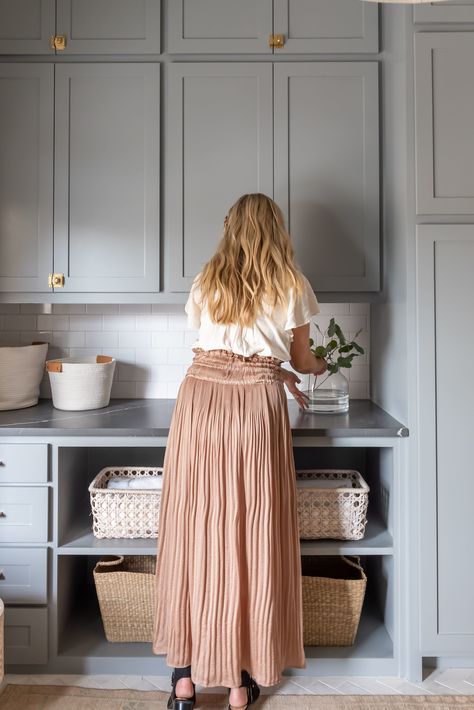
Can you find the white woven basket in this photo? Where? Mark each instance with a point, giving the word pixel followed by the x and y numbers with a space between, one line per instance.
pixel 339 513
pixel 81 383
pixel 21 372
pixel 124 513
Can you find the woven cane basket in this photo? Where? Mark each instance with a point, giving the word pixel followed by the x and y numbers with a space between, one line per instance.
pixel 333 594
pixel 126 593
pixel 120 513
pixel 339 513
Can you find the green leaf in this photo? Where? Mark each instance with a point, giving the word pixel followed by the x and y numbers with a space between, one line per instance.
pixel 333 368
pixel 340 334
pixel 359 348
pixel 345 348
pixel 332 327
pixel 332 345
pixel 311 342
pixel 320 351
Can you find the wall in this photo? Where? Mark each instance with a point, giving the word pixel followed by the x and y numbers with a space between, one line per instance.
pixel 151 342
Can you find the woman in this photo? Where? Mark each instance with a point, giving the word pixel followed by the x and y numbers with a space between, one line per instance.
pixel 228 577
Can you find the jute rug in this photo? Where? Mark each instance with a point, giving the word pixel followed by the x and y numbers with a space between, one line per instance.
pixel 57 697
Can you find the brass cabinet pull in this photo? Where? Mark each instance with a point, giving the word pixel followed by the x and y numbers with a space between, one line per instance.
pixel 58 42
pixel 3 514
pixel 276 41
pixel 56 280
pixel 2 574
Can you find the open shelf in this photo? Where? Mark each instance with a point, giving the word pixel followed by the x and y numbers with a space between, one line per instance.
pixel 377 541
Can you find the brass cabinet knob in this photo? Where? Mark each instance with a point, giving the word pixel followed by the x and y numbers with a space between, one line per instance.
pixel 58 42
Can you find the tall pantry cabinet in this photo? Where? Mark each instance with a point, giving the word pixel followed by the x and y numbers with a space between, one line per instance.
pixel 444 116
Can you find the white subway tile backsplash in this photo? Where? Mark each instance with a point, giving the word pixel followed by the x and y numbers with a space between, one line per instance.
pixel 151 343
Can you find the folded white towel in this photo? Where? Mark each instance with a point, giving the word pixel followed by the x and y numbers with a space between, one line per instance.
pixel 325 483
pixel 140 483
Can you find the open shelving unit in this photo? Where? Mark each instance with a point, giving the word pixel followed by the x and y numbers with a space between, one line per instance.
pixel 77 642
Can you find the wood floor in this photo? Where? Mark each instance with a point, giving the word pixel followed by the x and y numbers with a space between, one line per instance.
pixel 438 682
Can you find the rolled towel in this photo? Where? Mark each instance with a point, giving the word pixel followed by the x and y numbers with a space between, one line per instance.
pixel 118 482
pixel 329 483
pixel 154 482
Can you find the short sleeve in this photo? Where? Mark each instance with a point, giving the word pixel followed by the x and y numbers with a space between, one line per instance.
pixel 193 309
pixel 302 307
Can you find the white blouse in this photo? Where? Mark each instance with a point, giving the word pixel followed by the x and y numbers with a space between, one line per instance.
pixel 270 334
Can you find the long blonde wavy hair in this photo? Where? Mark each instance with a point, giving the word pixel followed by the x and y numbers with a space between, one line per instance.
pixel 254 261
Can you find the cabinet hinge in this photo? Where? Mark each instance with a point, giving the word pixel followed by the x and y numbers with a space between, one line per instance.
pixel 276 41
pixel 58 42
pixel 56 280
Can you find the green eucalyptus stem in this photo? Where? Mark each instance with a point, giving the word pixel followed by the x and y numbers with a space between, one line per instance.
pixel 338 351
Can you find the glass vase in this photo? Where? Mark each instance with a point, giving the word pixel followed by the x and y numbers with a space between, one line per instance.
pixel 328 393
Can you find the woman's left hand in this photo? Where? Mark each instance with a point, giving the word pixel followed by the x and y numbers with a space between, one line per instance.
pixel 290 380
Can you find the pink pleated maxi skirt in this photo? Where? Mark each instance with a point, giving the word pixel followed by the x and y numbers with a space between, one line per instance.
pixel 228 568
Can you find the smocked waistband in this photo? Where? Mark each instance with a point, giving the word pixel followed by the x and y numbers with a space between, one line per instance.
pixel 233 368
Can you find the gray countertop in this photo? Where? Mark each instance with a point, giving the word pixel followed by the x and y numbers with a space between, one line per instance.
pixel 151 417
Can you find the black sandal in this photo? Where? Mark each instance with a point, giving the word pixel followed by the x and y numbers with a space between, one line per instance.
pixel 175 702
pixel 253 691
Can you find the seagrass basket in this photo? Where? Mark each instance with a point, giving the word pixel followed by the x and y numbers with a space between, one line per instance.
pixel 334 507
pixel 125 589
pixel 120 513
pixel 333 595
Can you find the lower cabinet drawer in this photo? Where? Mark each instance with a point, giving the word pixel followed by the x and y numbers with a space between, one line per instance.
pixel 23 463
pixel 26 636
pixel 24 575
pixel 24 513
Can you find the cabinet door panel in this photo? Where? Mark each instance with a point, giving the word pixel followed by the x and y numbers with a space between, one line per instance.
pixel 26 635
pixel 109 26
pixel 444 120
pixel 219 147
pixel 444 12
pixel 26 176
pixel 26 26
pixel 107 177
pixel 326 25
pixel 220 26
pixel 445 254
pixel 326 170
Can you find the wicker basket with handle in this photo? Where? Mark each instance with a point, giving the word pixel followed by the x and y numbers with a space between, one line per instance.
pixel 333 595
pixel 126 593
pixel 122 513
pixel 339 511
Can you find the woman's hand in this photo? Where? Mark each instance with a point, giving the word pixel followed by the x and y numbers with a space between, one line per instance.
pixel 290 380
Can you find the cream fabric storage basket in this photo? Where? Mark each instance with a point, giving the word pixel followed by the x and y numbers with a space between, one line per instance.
pixel 125 589
pixel 122 513
pixel 21 372
pixel 81 383
pixel 339 511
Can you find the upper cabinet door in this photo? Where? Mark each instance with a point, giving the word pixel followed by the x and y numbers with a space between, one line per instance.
pixel 26 26
pixel 444 121
pixel 219 147
pixel 109 26
pixel 326 25
pixel 445 12
pixel 26 176
pixel 225 26
pixel 106 235
pixel 327 170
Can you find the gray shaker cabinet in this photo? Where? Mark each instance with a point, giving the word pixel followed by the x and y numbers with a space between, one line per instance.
pixel 327 170
pixel 106 209
pixel 444 120
pixel 445 254
pixel 326 26
pixel 89 26
pixel 26 176
pixel 444 12
pixel 109 26
pixel 226 26
pixel 26 26
pixel 219 146
pixel 223 26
